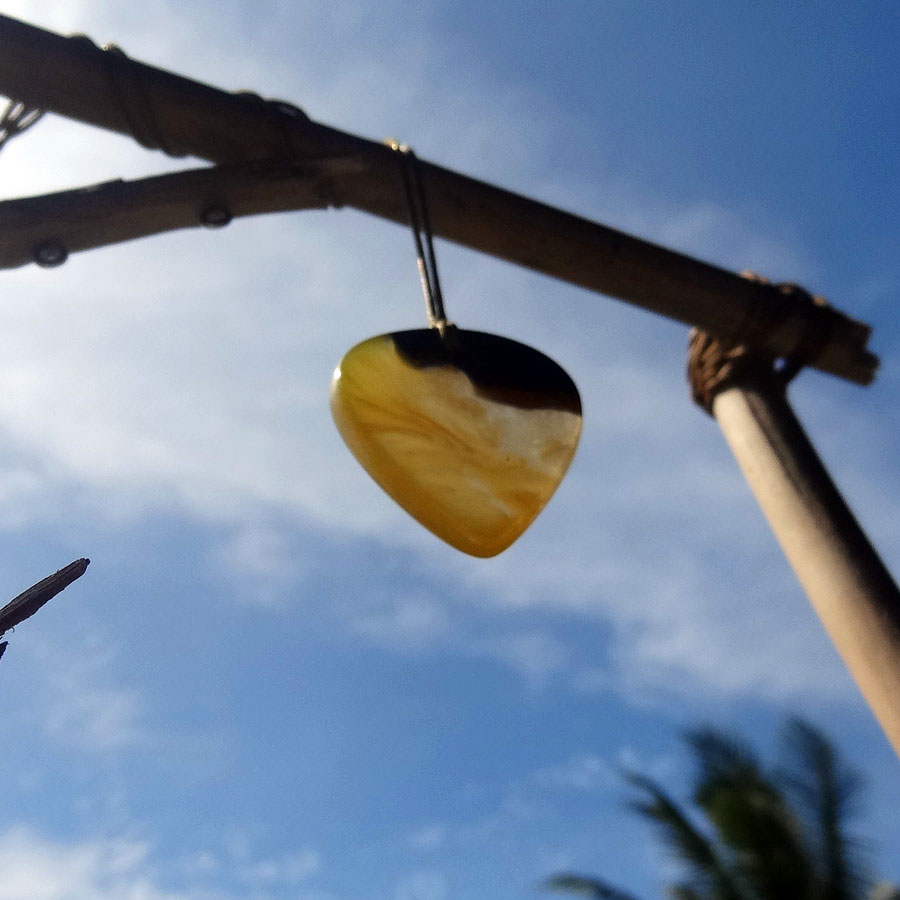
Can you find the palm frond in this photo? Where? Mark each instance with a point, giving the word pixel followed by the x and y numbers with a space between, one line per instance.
pixel 683 892
pixel 753 818
pixel 764 835
pixel 825 791
pixel 719 758
pixel 586 886
pixel 687 843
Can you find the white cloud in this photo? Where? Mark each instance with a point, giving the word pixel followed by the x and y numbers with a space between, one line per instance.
pixel 662 767
pixel 535 655
pixel 240 859
pixel 431 837
pixel 35 868
pixel 81 703
pixel 286 870
pixel 262 559
pixel 584 772
pixel 424 885
pixel 191 371
pixel 203 864
pixel 408 622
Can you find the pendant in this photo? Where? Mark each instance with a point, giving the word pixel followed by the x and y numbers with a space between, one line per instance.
pixel 470 433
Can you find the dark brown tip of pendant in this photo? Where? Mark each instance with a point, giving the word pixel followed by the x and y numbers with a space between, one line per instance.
pixel 501 369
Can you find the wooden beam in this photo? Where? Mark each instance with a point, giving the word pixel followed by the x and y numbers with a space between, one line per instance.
pixel 48 228
pixel 75 78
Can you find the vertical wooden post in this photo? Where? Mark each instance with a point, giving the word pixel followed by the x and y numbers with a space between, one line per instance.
pixel 848 585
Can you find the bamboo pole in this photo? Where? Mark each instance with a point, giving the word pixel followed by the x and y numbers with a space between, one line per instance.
pixel 73 77
pixel 845 580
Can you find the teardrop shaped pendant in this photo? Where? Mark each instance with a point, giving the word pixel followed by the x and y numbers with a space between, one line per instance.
pixel 470 433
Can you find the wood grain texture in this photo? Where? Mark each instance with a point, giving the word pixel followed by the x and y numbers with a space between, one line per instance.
pixel 843 576
pixel 75 78
pixel 31 600
pixel 117 211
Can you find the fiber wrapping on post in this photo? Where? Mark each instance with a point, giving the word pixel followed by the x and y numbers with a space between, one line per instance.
pixel 714 365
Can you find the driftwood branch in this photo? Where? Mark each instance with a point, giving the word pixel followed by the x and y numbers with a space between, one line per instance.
pixel 75 78
pixel 46 229
pixel 30 601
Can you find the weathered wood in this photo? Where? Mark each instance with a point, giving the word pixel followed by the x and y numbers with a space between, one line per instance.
pixel 115 211
pixel 847 584
pixel 73 77
pixel 31 600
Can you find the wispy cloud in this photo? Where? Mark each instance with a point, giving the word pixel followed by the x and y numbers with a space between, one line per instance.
pixel 584 772
pixel 280 872
pixel 528 801
pixel 82 703
pixel 536 655
pixel 406 622
pixel 429 838
pixel 200 387
pixel 423 885
pixel 262 559
pixel 37 867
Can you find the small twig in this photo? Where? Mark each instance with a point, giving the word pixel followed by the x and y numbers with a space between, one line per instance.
pixel 31 600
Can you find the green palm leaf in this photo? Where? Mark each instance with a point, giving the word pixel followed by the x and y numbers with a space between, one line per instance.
pixel 711 875
pixel 825 792
pixel 753 819
pixel 683 892
pixel 589 887
pixel 766 835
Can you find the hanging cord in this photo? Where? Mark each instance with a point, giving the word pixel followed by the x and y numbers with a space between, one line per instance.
pixel 420 224
pixel 134 101
pixel 17 117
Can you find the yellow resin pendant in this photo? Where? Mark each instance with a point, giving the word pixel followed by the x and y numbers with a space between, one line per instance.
pixel 470 433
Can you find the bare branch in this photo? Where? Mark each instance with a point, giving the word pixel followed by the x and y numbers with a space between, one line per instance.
pixel 30 601
pixel 46 229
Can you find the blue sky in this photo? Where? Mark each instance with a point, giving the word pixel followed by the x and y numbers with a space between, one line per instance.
pixel 271 683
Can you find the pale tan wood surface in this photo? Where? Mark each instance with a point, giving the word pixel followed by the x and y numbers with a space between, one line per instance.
pixel 847 584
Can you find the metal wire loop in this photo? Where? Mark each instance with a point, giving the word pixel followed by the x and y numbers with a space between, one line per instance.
pixel 17 117
pixel 420 224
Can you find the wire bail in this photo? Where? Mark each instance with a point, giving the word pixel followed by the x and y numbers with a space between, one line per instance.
pixel 17 117
pixel 420 224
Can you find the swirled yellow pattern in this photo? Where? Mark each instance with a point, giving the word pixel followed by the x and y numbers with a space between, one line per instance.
pixel 473 470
